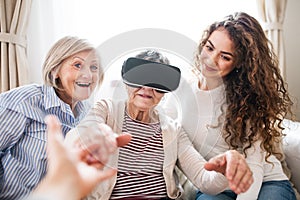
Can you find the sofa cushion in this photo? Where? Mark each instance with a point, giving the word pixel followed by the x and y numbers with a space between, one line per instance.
pixel 291 148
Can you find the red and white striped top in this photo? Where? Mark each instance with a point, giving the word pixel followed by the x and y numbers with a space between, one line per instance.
pixel 140 165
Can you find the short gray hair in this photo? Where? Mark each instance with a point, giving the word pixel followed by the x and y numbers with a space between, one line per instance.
pixel 153 55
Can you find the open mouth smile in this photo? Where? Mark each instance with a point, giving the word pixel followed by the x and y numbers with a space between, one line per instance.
pixel 82 84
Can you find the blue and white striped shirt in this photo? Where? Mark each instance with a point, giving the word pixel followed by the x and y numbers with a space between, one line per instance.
pixel 23 137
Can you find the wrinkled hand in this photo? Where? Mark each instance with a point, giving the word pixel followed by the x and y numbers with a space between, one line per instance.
pixel 98 140
pixel 233 165
pixel 69 175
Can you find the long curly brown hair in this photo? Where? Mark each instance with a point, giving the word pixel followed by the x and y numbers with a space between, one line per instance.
pixel 256 93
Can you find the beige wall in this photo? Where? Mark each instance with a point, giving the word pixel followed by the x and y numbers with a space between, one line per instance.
pixel 292 44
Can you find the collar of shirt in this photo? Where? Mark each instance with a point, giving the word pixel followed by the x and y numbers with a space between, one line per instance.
pixel 51 100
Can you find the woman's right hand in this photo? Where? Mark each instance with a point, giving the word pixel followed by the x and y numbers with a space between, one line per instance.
pixel 233 165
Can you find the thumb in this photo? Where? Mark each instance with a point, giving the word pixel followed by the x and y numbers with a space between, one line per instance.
pixel 210 166
pixel 53 127
pixel 123 139
pixel 54 133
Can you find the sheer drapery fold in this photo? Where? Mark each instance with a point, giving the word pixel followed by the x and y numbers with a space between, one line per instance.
pixel 14 15
pixel 272 14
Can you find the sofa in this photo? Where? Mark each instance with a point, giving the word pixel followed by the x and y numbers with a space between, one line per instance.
pixel 291 148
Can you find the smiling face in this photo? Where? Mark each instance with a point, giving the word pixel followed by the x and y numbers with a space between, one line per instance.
pixel 78 77
pixel 217 55
pixel 143 98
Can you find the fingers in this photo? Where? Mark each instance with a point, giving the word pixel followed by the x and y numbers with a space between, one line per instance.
pixel 97 151
pixel 234 166
pixel 232 158
pixel 100 141
pixel 238 172
pixel 242 179
pixel 246 181
pixel 85 156
pixel 109 138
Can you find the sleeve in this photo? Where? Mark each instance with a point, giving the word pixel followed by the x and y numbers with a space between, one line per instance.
pixel 11 128
pixel 12 125
pixel 255 159
pixel 192 165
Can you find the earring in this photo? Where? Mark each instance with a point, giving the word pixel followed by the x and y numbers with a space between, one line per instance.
pixel 237 70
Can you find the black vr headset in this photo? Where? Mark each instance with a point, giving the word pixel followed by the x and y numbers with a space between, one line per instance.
pixel 138 72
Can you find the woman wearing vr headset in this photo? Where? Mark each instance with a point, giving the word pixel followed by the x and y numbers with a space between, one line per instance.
pixel 237 101
pixel 146 166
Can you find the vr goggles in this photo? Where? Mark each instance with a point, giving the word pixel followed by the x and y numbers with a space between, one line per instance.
pixel 138 72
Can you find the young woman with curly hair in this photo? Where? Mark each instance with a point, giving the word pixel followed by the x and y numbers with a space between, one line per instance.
pixel 237 101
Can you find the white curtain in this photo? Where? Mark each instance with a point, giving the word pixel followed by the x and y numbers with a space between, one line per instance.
pixel 272 13
pixel 13 28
